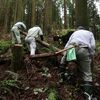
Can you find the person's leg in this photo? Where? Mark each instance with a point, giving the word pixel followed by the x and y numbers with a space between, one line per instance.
pixel 13 37
pixel 27 40
pixel 62 62
pixel 31 44
pixel 62 68
pixel 32 47
pixel 84 62
pixel 16 35
pixel 87 88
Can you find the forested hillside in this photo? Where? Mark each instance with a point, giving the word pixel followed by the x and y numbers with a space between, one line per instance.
pixel 37 78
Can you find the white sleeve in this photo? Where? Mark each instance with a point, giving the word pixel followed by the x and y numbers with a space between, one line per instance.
pixel 93 45
pixel 24 25
pixel 40 31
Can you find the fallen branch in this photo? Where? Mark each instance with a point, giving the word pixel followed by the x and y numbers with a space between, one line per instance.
pixel 49 54
pixel 58 51
pixel 47 45
pixel 43 42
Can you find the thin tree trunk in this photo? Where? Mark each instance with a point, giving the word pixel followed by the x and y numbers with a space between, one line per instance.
pixel 65 14
pixel 48 16
pixel 33 14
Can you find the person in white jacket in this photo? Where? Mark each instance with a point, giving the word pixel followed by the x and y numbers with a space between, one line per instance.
pixel 16 31
pixel 84 43
pixel 30 39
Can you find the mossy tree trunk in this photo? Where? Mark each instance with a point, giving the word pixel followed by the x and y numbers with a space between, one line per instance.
pixel 17 57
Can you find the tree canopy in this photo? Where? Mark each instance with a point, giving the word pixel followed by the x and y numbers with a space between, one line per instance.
pixel 49 14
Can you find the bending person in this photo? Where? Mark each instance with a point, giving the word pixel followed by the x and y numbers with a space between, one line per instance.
pixel 84 43
pixel 30 39
pixel 15 32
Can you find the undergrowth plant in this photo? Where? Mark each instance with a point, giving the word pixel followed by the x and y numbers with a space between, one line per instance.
pixel 4 45
pixel 7 85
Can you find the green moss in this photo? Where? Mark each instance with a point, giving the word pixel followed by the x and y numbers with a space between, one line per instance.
pixel 97 43
pixel 97 46
pixel 4 45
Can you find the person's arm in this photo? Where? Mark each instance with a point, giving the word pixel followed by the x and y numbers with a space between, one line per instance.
pixel 41 36
pixel 23 33
pixel 92 45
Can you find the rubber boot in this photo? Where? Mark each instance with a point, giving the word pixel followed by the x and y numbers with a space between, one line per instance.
pixel 87 90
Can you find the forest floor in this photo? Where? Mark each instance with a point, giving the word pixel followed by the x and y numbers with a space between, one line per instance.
pixel 39 79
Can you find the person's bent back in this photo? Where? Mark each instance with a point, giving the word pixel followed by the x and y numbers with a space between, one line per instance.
pixel 15 32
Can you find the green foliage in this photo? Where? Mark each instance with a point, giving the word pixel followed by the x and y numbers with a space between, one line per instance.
pixel 57 23
pixel 4 45
pixel 9 83
pixel 6 85
pixel 45 72
pixel 93 16
pixel 97 47
pixel 97 44
pixel 39 90
pixel 52 94
pixel 52 48
pixel 13 75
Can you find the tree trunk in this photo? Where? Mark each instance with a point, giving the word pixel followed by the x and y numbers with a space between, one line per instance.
pixel 48 16
pixel 18 11
pixel 65 14
pixel 17 57
pixel 30 17
pixel 81 13
pixel 8 16
pixel 33 14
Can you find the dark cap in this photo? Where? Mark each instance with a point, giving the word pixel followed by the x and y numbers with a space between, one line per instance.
pixel 80 27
